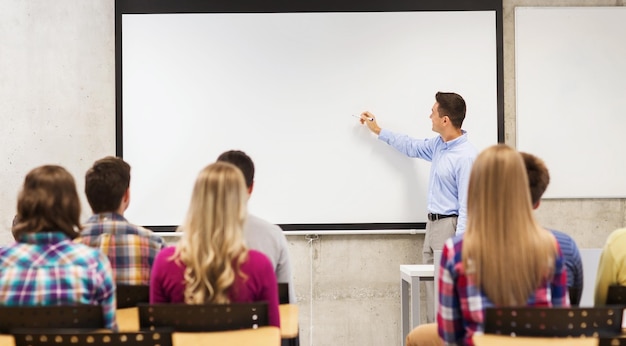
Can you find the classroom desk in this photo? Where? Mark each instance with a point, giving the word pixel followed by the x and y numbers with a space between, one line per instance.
pixel 127 319
pixel 500 340
pixel 261 336
pixel 411 276
pixel 288 320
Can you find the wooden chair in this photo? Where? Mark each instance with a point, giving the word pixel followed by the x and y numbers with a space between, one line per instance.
pixel 129 296
pixel 616 295
pixel 554 322
pixel 36 337
pixel 51 317
pixel 203 318
pixel 621 341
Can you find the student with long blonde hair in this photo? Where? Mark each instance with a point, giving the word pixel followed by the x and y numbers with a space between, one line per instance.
pixel 210 263
pixel 505 258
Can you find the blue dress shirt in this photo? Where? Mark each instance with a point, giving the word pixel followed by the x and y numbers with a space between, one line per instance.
pixel 449 172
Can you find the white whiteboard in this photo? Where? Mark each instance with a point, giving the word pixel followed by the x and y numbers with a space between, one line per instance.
pixel 571 96
pixel 282 87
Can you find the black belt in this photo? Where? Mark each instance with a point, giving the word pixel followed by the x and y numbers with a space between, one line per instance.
pixel 435 217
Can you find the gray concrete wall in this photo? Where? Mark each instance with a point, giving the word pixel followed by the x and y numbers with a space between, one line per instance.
pixel 58 106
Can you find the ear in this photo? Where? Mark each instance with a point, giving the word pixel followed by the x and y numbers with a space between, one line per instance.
pixel 251 188
pixel 537 204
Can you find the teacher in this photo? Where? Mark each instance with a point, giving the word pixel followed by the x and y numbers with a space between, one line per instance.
pixel 452 156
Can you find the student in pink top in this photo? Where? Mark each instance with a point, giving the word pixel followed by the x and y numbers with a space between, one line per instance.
pixel 210 263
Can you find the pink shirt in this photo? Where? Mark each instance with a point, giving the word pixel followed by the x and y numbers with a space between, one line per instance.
pixel 167 283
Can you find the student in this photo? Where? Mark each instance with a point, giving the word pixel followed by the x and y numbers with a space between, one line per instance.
pixel 259 234
pixel 611 270
pixel 210 263
pixel 131 249
pixel 539 178
pixel 452 156
pixel 477 269
pixel 44 266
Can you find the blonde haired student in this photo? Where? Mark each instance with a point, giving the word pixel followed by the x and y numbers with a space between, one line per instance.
pixel 210 263
pixel 505 258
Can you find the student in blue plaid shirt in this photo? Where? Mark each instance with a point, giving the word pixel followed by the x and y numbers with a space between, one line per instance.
pixel 131 249
pixel 45 266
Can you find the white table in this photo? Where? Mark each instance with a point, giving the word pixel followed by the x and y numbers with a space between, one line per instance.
pixel 411 276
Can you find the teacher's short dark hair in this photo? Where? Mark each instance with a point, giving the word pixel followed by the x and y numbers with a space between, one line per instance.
pixel 452 105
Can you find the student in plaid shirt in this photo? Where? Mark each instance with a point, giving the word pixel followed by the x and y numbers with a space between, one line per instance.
pixel 44 266
pixel 131 249
pixel 505 258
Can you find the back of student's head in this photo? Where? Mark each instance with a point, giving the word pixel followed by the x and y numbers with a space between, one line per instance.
pixel 48 202
pixel 452 105
pixel 242 161
pixel 538 176
pixel 500 222
pixel 212 246
pixel 106 182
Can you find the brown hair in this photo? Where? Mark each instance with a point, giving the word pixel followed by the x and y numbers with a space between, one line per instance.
pixel 453 106
pixel 106 183
pixel 48 202
pixel 242 161
pixel 538 176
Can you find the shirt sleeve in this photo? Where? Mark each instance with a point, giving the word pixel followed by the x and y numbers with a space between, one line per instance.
pixel 463 176
pixel 157 278
pixel 449 317
pixel 558 286
pixel 269 292
pixel 411 147
pixel 576 267
pixel 283 268
pixel 606 276
pixel 106 292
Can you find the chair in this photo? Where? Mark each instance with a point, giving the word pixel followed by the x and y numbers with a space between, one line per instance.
pixel 621 341
pixel 283 293
pixel 36 337
pixel 558 322
pixel 574 295
pixel 51 317
pixel 203 318
pixel 129 296
pixel 616 295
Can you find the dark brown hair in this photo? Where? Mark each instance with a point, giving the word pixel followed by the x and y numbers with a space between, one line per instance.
pixel 106 183
pixel 538 176
pixel 48 202
pixel 242 161
pixel 453 106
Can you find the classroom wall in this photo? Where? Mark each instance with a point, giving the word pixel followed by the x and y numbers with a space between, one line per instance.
pixel 57 105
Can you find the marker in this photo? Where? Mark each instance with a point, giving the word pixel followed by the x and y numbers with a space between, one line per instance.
pixel 356 116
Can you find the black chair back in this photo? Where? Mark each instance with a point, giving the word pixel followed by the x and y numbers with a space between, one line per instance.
pixel 129 296
pixel 621 341
pixel 536 321
pixel 283 293
pixel 616 295
pixel 51 317
pixel 203 318
pixel 574 295
pixel 36 337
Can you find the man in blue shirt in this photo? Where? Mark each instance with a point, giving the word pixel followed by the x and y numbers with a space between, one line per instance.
pixel 451 156
pixel 538 180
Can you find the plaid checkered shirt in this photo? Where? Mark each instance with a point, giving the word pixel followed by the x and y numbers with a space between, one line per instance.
pixel 47 268
pixel 462 305
pixel 131 249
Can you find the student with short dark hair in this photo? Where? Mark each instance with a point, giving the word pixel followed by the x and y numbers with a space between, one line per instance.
pixel 45 266
pixel 259 234
pixel 538 179
pixel 131 249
